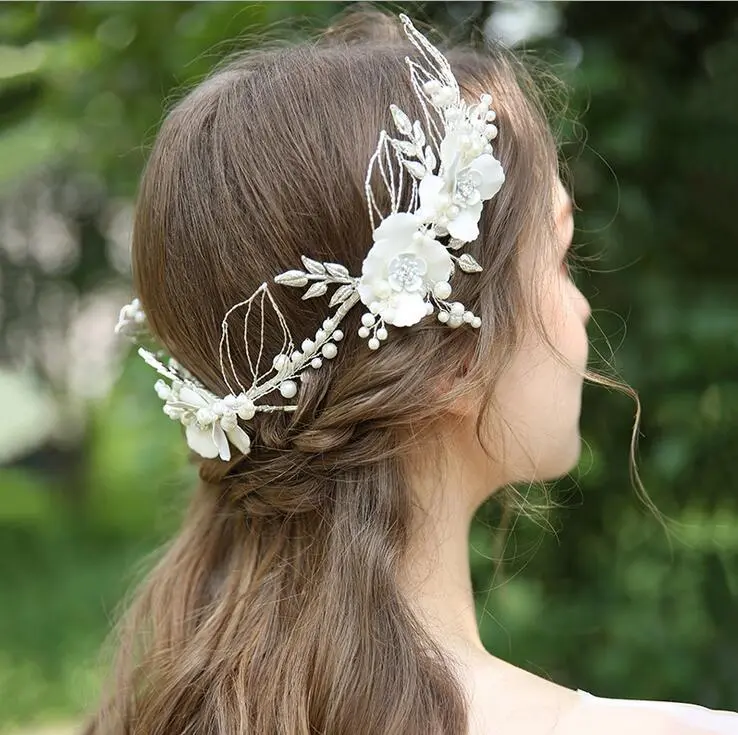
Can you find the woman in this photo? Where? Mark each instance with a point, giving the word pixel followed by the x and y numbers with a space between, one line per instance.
pixel 320 582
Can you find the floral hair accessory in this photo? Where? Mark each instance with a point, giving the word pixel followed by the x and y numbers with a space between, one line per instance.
pixel 447 164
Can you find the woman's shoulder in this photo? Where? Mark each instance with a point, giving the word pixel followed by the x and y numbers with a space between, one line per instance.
pixel 635 716
pixel 508 700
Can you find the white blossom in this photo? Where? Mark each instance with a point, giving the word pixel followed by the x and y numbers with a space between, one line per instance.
pixel 468 176
pixel 404 263
pixel 210 422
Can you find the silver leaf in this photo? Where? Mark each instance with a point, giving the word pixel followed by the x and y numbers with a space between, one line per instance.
pixel 430 159
pixel 468 264
pixel 291 278
pixel 405 147
pixel 313 266
pixel 402 121
pixel 317 289
pixel 418 135
pixel 341 294
pixel 416 169
pixel 336 270
pixel 150 359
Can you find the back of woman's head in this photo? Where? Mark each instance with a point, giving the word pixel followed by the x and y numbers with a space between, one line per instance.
pixel 277 609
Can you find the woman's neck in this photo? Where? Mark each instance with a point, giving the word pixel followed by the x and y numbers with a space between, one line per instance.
pixel 436 577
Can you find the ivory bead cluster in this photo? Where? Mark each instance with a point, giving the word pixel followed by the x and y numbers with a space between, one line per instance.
pixel 298 358
pixel 458 315
pixel 370 323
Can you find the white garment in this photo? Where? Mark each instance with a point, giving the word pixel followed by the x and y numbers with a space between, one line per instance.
pixel 718 721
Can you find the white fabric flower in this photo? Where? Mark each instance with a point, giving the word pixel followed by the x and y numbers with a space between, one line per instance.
pixel 467 177
pixel 402 265
pixel 211 441
pixel 210 423
pixel 131 319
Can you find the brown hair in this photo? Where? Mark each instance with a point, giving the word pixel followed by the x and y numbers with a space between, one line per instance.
pixel 276 609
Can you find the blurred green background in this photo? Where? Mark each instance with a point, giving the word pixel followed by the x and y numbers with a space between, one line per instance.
pixel 93 477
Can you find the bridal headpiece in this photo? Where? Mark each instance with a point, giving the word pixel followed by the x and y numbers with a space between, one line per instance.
pixel 446 162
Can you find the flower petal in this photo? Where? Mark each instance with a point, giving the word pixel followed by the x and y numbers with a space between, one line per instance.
pixel 492 177
pixel 438 261
pixel 221 441
pixel 408 308
pixel 450 150
pixel 240 439
pixel 398 227
pixel 366 292
pixel 465 225
pixel 429 190
pixel 191 397
pixel 201 441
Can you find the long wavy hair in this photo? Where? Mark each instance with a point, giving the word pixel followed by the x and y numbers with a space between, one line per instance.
pixel 276 608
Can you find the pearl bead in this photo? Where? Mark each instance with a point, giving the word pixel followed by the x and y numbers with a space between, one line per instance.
pixel 374 307
pixel 491 132
pixel 382 334
pixel 363 332
pixel 453 211
pixel 288 389
pixel 428 308
pixel 491 115
pixel 320 335
pixel 468 317
pixel 162 390
pixel 367 320
pixel 442 290
pixel 316 362
pixel 443 316
pixel 457 308
pixel 476 322
pixel 204 416
pixel 337 335
pixel 328 324
pixel 373 343
pixel 246 408
pixel 296 356
pixel 308 346
pixel 455 321
pixel 329 350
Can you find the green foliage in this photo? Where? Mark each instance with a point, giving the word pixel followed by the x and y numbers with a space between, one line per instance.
pixel 607 602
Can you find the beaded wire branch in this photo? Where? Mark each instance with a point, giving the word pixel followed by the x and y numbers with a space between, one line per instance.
pixel 449 167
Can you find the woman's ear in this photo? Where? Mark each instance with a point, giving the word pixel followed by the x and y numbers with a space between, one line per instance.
pixel 466 402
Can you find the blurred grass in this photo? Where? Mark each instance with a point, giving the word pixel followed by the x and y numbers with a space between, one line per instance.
pixel 64 568
pixel 61 580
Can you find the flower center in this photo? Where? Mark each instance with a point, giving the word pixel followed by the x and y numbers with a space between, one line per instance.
pixel 466 188
pixel 406 272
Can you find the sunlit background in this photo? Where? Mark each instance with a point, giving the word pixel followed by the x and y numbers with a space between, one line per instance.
pixel 93 476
